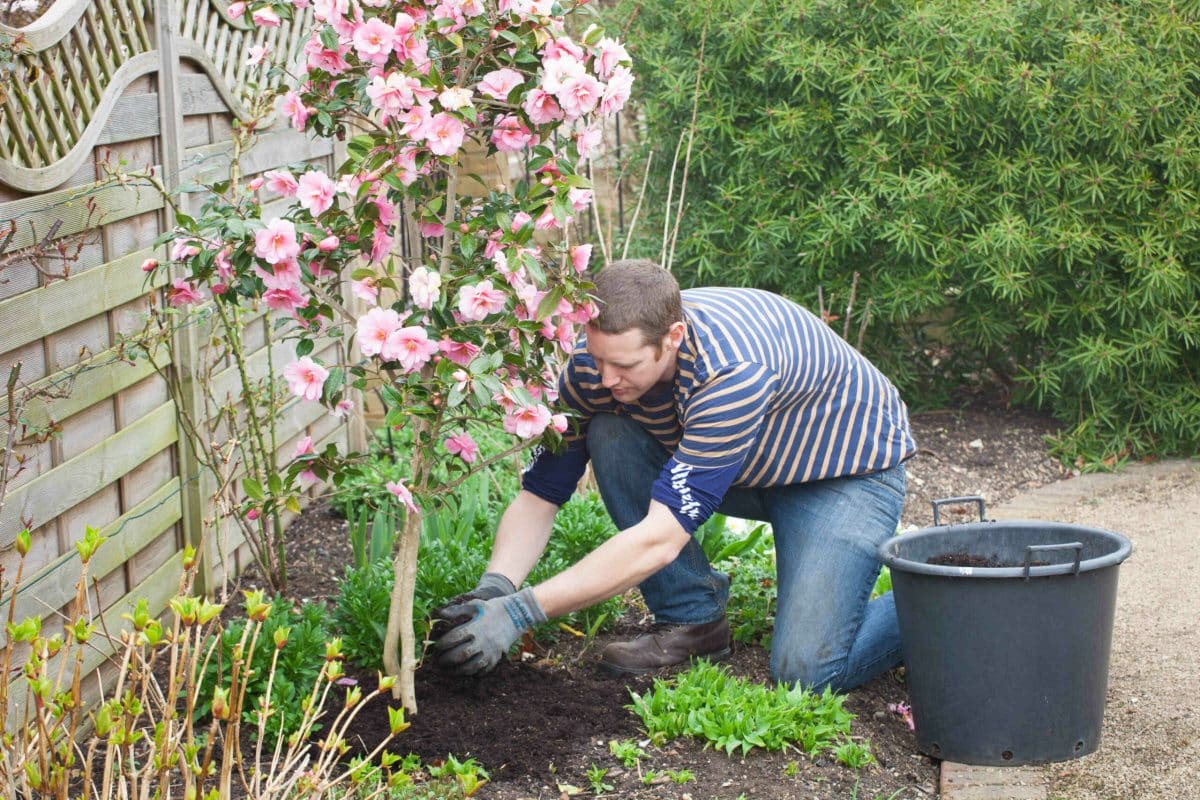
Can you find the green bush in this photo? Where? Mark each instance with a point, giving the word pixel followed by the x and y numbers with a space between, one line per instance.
pixel 1024 173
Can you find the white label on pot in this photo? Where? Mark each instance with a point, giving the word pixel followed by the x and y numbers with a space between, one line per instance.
pixel 966 571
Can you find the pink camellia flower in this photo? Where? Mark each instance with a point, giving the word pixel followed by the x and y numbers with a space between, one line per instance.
pixel 255 183
pixel 277 242
pixel 424 286
pixel 342 408
pixel 444 134
pixel 415 122
pixel 905 712
pixel 373 40
pixel 527 422
pixel 510 135
pixel 580 198
pixel 587 140
pixel 381 243
pixel 557 67
pixel 305 378
pixel 183 249
pixel 462 445
pixel 478 300
pixel 541 107
pixel 307 478
pixel 266 17
pixel 402 494
pixel 281 182
pixel 497 84
pixel 315 192
pixel 411 346
pixel 547 221
pixel 579 95
pixel 253 514
pixel 455 98
pixel 184 292
pixel 520 220
pixel 258 53
pixel 282 275
pixel 284 299
pixel 295 109
pixel 304 447
pixel 460 353
pixel 620 86
pixel 391 95
pixel 328 244
pixel 320 57
pixel 559 422
pixel 366 289
pixel 431 230
pixel 236 10
pixel 609 54
pixel 374 328
pixel 580 256
pixel 149 265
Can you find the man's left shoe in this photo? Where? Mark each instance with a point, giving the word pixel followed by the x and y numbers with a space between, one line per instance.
pixel 665 645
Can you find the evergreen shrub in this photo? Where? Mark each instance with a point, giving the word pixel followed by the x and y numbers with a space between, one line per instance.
pixel 1027 172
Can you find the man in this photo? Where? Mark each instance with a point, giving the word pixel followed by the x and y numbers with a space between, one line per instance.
pixel 730 400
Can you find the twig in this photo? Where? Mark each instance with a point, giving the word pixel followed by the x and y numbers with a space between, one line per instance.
pixel 850 306
pixel 637 208
pixel 862 329
pixel 687 159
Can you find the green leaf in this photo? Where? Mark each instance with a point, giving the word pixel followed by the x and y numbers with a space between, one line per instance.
pixel 253 489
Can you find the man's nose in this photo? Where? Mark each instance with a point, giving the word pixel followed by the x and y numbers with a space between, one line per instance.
pixel 608 378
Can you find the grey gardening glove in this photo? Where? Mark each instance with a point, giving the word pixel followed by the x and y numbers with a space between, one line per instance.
pixel 491 584
pixel 477 644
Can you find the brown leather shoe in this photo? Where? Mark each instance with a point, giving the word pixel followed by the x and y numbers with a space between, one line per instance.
pixel 667 644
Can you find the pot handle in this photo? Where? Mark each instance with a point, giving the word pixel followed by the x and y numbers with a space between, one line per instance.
pixel 1042 548
pixel 958 501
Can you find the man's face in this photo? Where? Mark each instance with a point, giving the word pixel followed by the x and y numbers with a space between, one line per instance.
pixel 628 366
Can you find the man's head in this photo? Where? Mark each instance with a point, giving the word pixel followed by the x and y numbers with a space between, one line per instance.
pixel 639 329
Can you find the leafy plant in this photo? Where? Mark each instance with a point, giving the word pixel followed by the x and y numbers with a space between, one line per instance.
pixel 373 534
pixel 596 776
pixel 752 591
pixel 288 665
pixel 730 713
pixel 854 755
pixel 883 583
pixel 627 752
pixel 1015 184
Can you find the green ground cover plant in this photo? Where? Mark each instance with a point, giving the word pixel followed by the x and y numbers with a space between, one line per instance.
pixel 730 713
pixel 1015 185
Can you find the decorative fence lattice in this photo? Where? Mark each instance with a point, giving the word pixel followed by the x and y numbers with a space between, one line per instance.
pixel 154 84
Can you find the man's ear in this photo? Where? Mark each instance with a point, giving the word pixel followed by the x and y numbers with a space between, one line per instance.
pixel 674 337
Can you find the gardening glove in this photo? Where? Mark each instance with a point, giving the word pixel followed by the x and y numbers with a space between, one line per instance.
pixel 491 584
pixel 476 645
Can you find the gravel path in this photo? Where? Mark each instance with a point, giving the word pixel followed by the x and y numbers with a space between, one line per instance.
pixel 1150 748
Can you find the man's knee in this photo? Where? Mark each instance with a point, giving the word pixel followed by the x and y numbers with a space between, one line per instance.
pixel 810 668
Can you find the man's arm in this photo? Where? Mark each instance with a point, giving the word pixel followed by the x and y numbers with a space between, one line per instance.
pixel 521 536
pixel 621 563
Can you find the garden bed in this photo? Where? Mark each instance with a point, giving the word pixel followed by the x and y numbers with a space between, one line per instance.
pixel 537 726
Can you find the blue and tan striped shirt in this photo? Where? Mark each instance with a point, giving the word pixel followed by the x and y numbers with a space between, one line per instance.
pixel 765 394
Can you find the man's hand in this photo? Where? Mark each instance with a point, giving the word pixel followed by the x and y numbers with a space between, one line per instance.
pixel 491 585
pixel 486 630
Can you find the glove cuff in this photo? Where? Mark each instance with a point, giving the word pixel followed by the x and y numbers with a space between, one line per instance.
pixel 493 584
pixel 523 609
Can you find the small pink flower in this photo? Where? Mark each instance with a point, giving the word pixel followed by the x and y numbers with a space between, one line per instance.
pixel 541 107
pixel 236 10
pixel 366 289
pixel 266 17
pixel 477 301
pixel 328 244
pixel 620 86
pixel 579 95
pixel 281 182
pixel 287 300
pixel 373 40
pixel 381 243
pixel 342 408
pixel 460 353
pixel 307 478
pixel 424 286
pixel 184 293
pixel 455 98
pixel 304 447
pixel 255 183
pixel 391 95
pixel 609 54
pixel 411 346
pixel 184 249
pixel 282 275
pixel 520 220
pixel 374 328
pixel 149 265
pixel 305 378
pixel 253 514
pixel 295 109
pixel 905 712
pixel 444 134
pixel 527 422
pixel 462 445
pixel 499 83
pixel 559 423
pixel 277 242
pixel 315 192
pixel 580 256
pixel 258 53
pixel 402 494
pixel 510 135
pixel 431 230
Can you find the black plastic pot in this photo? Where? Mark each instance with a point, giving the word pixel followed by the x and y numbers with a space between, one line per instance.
pixel 1006 665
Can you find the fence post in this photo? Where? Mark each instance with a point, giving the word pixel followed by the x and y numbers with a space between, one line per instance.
pixel 185 342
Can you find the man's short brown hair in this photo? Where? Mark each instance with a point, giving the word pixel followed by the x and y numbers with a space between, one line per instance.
pixel 637 293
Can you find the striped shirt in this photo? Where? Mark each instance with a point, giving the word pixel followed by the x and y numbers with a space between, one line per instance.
pixel 765 394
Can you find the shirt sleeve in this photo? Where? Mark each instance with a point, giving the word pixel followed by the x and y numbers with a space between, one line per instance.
pixel 720 428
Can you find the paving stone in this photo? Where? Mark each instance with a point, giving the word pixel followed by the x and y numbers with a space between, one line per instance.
pixel 967 782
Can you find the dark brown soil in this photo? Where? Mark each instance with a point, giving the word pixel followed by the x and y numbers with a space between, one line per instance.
pixel 538 725
pixel 964 560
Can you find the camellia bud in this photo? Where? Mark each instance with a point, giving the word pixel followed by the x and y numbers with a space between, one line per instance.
pixel 149 265
pixel 256 184
pixel 328 244
pixel 23 543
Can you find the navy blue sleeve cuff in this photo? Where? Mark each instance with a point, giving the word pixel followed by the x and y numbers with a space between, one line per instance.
pixel 692 494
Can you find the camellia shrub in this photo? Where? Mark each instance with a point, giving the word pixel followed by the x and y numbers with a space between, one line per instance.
pixel 473 330
pixel 1027 173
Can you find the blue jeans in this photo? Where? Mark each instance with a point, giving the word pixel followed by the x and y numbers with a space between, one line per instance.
pixel 827 630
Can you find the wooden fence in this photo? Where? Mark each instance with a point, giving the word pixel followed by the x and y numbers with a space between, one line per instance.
pixel 150 83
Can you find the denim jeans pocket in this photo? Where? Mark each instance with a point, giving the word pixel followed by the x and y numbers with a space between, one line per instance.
pixel 892 480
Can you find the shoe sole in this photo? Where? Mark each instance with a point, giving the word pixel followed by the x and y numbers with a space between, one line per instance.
pixel 617 671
